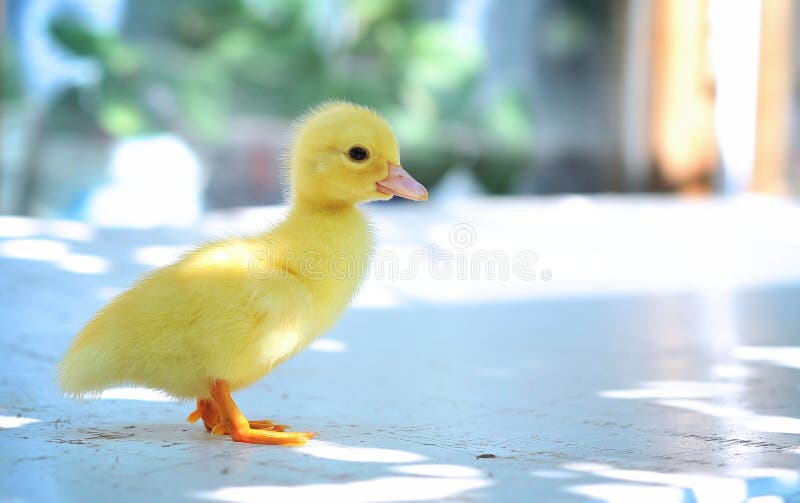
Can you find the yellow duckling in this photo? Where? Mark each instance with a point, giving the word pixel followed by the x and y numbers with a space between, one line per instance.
pixel 227 313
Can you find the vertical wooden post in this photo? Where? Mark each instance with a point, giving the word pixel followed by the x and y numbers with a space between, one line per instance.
pixel 774 97
pixel 682 107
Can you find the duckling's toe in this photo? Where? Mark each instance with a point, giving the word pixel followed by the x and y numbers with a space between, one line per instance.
pixel 251 436
pixel 264 424
pixel 193 416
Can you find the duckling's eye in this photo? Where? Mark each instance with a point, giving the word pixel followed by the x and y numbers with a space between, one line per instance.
pixel 358 153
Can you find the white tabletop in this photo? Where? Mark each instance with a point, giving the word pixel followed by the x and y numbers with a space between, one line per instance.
pixel 642 349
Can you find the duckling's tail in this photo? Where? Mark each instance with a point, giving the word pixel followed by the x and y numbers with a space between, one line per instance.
pixel 86 369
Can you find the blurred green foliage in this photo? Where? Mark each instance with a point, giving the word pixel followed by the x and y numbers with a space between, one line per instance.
pixel 192 65
pixel 11 90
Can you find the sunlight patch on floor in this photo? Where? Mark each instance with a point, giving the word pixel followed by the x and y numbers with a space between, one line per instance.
pixel 553 474
pixel 751 420
pixel 145 394
pixel 685 395
pixel 705 488
pixel 329 450
pixel 765 499
pixel 84 264
pixel 769 482
pixel 374 295
pixel 382 489
pixel 68 229
pixel 157 256
pixel 674 389
pixel 21 227
pixel 784 356
pixel 453 471
pixel 759 484
pixel 729 371
pixel 17 227
pixel 627 493
pixel 15 421
pixel 57 252
pixel 34 249
pixel 328 346
pixel 106 293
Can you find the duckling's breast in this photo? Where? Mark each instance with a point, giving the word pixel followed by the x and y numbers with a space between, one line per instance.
pixel 335 283
pixel 334 265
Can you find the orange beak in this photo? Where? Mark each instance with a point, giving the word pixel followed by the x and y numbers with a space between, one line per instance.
pixel 400 183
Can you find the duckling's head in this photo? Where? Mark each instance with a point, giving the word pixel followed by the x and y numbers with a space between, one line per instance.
pixel 346 154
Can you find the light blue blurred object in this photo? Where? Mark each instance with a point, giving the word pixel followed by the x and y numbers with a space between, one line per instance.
pixel 47 67
pixel 155 181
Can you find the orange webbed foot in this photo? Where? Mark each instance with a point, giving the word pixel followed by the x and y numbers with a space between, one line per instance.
pixel 221 416
pixel 209 413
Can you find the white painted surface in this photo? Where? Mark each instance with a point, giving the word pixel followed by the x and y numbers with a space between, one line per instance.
pixel 657 363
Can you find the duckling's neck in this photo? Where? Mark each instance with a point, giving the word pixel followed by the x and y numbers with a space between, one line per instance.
pixel 305 208
pixel 324 239
pixel 328 248
pixel 329 228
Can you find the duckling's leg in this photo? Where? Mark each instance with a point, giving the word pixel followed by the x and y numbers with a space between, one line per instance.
pixel 239 427
pixel 207 411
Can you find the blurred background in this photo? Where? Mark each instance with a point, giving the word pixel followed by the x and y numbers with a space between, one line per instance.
pixel 186 104
pixel 652 339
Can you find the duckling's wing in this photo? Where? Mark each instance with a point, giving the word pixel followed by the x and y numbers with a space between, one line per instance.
pixel 203 317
